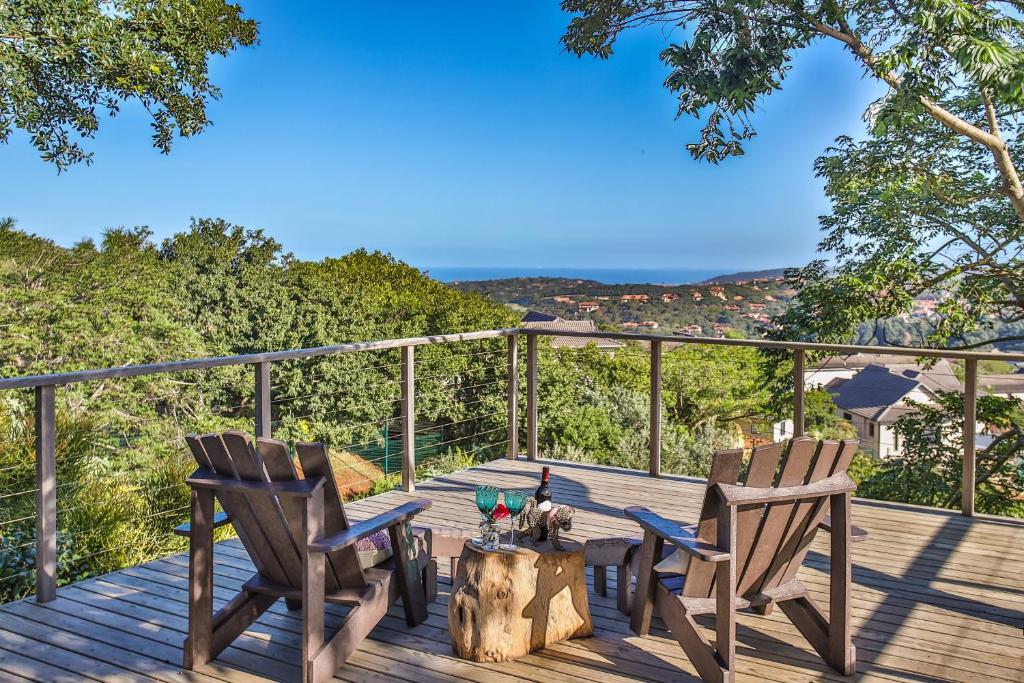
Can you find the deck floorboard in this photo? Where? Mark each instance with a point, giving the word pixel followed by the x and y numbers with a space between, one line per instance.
pixel 936 597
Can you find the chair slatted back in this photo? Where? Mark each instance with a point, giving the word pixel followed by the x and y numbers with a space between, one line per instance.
pixel 270 527
pixel 775 518
pixel 800 514
pixel 209 451
pixel 278 465
pixel 841 463
pixel 764 463
pixel 725 468
pixel 267 509
pixel 771 539
pixel 344 563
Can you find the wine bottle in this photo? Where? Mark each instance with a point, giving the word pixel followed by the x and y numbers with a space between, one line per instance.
pixel 543 498
pixel 543 494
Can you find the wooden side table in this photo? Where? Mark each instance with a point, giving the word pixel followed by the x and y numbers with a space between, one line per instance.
pixel 506 604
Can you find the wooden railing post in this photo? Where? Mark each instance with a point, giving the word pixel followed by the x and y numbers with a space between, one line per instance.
pixel 531 397
pixel 970 417
pixel 655 463
pixel 513 396
pixel 262 406
pixel 46 495
pixel 798 392
pixel 408 411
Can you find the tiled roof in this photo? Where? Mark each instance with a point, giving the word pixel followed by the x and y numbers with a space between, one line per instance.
pixel 575 326
pixel 872 392
pixel 538 317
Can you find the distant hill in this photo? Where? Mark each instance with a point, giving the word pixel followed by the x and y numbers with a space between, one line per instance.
pixel 771 274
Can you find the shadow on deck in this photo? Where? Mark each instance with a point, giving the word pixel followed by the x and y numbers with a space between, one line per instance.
pixel 936 596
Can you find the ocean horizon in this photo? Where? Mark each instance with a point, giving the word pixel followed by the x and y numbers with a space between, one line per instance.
pixel 608 276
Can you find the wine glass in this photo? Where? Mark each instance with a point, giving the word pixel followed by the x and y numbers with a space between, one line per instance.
pixel 486 500
pixel 515 501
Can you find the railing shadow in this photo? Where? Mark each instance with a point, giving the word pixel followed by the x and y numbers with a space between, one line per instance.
pixel 926 567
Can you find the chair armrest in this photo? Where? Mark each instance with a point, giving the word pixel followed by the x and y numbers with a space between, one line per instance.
pixel 219 519
pixel 297 488
pixel 386 520
pixel 683 538
pixel 856 533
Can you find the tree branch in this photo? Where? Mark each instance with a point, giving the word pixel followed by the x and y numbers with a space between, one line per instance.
pixel 1012 187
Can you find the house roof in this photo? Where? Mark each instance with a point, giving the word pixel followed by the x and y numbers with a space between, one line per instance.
pixel 538 317
pixel 575 326
pixel 874 393
pixel 938 377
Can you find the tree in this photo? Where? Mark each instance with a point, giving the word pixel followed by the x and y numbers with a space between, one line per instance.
pixel 821 417
pixel 714 385
pixel 931 202
pixel 65 62
pixel 928 470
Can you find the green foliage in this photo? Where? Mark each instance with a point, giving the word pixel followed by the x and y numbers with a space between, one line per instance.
pixel 216 289
pixel 822 420
pixel 914 211
pixel 714 384
pixel 595 405
pixel 67 62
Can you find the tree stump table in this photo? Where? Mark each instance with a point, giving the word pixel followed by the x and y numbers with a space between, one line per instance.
pixel 505 604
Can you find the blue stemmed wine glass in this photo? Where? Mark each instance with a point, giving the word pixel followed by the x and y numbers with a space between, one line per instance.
pixel 486 501
pixel 515 501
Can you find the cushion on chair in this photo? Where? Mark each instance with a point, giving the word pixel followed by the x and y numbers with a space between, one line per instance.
pixel 421 537
pixel 676 563
pixel 374 549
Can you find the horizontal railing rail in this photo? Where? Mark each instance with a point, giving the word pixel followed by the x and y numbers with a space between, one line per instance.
pixel 45 422
pixel 835 349
pixel 74 377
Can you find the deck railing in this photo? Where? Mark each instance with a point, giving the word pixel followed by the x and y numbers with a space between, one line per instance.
pixel 262 365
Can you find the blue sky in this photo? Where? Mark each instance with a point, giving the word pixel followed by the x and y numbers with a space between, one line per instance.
pixel 455 134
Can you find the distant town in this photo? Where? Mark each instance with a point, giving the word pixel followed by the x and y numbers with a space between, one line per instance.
pixel 741 304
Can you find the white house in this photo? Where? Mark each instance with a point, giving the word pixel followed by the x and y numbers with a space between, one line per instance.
pixel 873 397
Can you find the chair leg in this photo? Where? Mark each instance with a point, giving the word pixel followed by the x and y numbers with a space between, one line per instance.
pixel 199 643
pixel 601 580
pixel 725 617
pixel 711 667
pixel 646 584
pixel 430 582
pixel 361 619
pixel 810 621
pixel 407 573
pixel 841 654
pixel 624 586
pixel 315 668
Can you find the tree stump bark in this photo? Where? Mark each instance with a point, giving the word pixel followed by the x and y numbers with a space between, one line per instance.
pixel 506 604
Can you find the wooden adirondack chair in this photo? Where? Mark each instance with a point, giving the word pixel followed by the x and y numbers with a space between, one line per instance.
pixel 303 546
pixel 746 549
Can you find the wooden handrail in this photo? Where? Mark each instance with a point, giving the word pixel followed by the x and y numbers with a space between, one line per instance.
pixel 62 378
pixel 838 349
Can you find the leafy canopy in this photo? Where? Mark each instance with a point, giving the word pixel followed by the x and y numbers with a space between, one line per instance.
pixel 63 63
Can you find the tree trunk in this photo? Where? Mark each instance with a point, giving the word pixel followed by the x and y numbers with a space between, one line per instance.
pixel 506 604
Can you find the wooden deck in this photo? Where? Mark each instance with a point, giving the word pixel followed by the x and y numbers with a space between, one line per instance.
pixel 937 597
